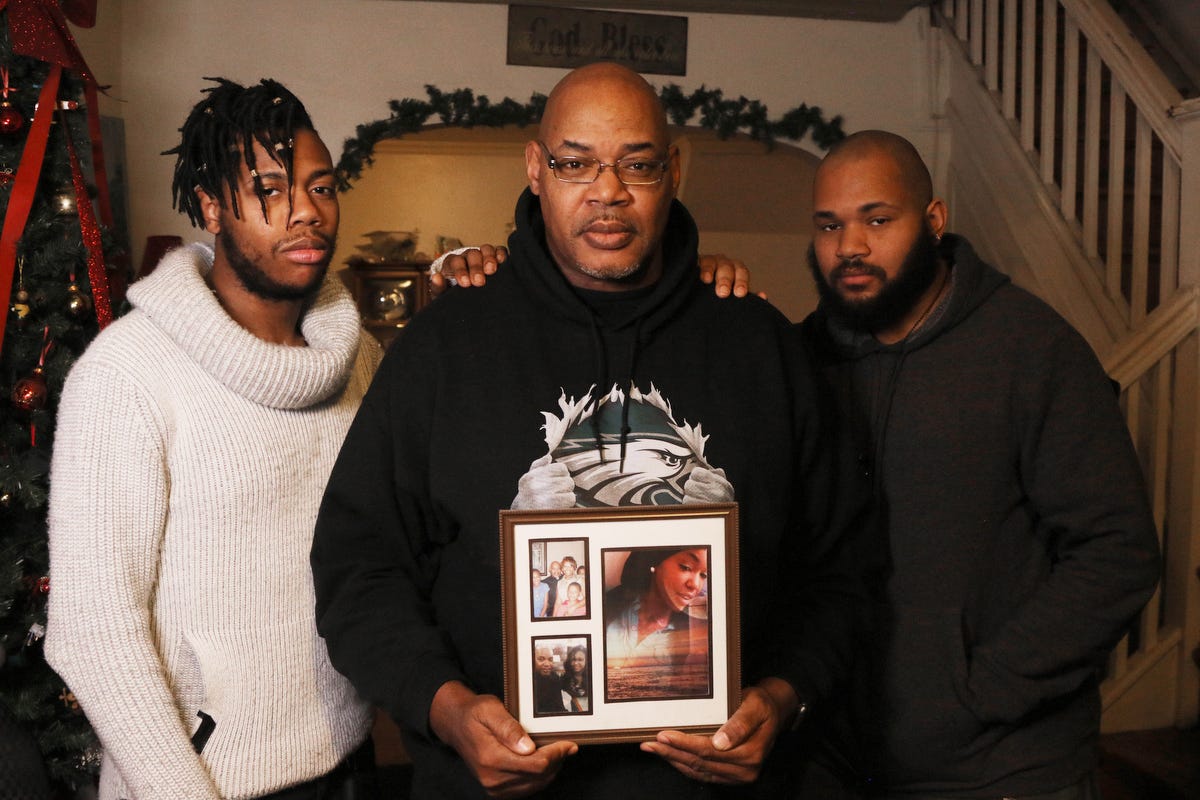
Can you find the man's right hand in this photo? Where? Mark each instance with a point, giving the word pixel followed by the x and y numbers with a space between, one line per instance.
pixel 728 275
pixel 495 747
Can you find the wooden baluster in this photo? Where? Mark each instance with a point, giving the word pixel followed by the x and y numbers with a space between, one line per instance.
pixel 1009 89
pixel 976 36
pixel 1070 102
pixel 991 55
pixel 1168 270
pixel 1049 87
pixel 1140 262
pixel 1091 155
pixel 1158 484
pixel 1029 33
pixel 1116 187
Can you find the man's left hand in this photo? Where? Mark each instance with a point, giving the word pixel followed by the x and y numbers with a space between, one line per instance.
pixel 736 752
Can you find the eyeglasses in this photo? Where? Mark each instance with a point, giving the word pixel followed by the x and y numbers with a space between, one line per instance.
pixel 633 171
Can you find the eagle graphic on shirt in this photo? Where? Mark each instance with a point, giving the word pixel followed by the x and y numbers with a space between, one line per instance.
pixel 657 462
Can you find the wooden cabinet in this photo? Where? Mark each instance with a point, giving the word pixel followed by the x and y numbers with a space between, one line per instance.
pixel 388 294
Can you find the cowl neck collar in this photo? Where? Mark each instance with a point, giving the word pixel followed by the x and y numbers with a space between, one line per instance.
pixel 177 298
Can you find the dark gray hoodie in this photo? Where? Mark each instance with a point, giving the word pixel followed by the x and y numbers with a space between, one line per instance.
pixel 1017 540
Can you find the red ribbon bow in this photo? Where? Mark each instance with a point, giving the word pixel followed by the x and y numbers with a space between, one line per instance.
pixel 38 28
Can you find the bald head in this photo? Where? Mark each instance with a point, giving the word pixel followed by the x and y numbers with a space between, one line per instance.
pixel 876 226
pixel 881 148
pixel 587 87
pixel 543 659
pixel 604 234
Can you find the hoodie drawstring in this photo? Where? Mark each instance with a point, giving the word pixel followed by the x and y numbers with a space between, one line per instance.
pixel 601 389
pixel 600 361
pixel 634 350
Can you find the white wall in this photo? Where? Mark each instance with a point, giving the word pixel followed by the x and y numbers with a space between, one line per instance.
pixel 347 58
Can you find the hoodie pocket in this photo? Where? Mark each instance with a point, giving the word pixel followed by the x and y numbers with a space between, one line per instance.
pixel 926 728
pixel 260 687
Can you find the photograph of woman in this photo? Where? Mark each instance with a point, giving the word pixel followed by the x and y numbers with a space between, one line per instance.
pixel 577 681
pixel 657 638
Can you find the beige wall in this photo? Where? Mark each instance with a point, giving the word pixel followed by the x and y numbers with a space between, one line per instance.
pixel 347 58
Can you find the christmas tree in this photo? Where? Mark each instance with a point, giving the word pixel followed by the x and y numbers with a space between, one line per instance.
pixel 54 284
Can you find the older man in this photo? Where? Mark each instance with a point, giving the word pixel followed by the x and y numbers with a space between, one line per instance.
pixel 598 355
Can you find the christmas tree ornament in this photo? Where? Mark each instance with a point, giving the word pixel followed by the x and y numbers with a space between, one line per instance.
pixel 6 176
pixel 43 585
pixel 30 393
pixel 5 499
pixel 78 303
pixel 11 120
pixel 65 205
pixel 20 303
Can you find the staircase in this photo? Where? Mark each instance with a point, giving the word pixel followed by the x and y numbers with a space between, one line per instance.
pixel 1075 164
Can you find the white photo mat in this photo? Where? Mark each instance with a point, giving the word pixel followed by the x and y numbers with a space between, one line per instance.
pixel 592 532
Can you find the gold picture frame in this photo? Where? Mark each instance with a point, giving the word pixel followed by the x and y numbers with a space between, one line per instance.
pixel 650 641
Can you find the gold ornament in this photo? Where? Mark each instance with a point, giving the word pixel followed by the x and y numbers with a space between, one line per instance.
pixel 20 305
pixel 78 303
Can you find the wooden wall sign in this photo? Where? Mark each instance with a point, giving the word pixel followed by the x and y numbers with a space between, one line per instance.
pixel 566 37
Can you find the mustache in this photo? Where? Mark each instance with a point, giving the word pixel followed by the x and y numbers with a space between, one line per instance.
pixel 856 266
pixel 606 218
pixel 322 236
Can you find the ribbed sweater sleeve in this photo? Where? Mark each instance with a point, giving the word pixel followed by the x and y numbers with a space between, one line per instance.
pixel 108 505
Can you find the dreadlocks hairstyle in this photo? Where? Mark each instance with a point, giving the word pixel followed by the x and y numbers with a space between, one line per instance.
pixel 218 137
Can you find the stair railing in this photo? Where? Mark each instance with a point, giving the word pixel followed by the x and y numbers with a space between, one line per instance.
pixel 1118 150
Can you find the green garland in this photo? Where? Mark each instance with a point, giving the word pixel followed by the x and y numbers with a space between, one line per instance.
pixel 461 107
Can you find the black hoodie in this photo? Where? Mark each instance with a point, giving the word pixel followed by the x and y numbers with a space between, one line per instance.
pixel 1019 540
pixel 405 558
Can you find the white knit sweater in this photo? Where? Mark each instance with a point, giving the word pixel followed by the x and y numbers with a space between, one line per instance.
pixel 189 463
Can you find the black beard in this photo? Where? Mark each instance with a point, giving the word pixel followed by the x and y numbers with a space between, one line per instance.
pixel 257 282
pixel 896 297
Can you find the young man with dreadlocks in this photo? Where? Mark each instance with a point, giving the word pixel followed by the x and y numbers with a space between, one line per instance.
pixel 195 438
